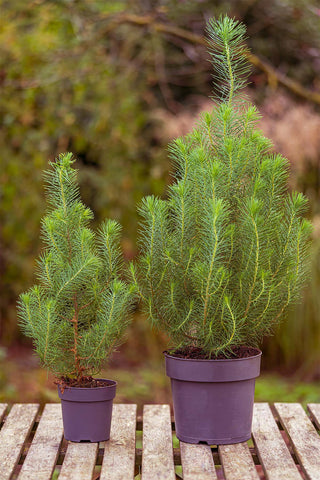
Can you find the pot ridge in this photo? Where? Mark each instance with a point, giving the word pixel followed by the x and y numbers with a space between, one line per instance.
pixel 96 394
pixel 213 370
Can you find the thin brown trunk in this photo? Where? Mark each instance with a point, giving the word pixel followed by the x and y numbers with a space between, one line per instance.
pixel 76 337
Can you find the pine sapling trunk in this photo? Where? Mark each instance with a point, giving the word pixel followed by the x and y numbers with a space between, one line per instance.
pixel 78 369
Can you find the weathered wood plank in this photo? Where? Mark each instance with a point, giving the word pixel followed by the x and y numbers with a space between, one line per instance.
pixel 314 409
pixel 197 462
pixel 119 454
pixel 272 451
pixel 13 435
pixel 79 461
pixel 3 407
pixel 157 455
pixel 43 452
pixel 304 437
pixel 237 462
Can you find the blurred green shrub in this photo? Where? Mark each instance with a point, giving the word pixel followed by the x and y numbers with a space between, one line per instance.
pixel 295 347
pixel 78 76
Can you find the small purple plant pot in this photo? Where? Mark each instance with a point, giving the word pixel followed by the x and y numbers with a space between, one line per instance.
pixel 86 412
pixel 213 399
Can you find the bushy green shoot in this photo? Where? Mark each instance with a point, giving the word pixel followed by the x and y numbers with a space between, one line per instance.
pixel 78 312
pixel 225 254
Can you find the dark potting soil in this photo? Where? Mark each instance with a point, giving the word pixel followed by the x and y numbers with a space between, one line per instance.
pixel 197 353
pixel 83 382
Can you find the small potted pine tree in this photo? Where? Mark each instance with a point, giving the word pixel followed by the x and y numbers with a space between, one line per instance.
pixel 78 312
pixel 223 256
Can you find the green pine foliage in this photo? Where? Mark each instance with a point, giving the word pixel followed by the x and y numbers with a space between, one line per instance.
pixel 225 254
pixel 78 312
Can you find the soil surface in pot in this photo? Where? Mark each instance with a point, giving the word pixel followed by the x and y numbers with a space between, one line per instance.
pixel 198 354
pixel 83 382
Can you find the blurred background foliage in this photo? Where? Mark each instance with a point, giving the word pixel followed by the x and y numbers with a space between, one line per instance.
pixel 114 82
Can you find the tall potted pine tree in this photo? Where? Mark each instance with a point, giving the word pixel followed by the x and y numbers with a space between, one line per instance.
pixel 78 312
pixel 223 256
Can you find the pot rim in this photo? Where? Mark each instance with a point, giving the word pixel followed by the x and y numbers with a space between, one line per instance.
pixel 220 360
pixel 113 384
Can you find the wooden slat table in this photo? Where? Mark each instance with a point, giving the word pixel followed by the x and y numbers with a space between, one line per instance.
pixel 285 446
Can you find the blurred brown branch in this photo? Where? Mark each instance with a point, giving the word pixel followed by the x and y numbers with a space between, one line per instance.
pixel 274 76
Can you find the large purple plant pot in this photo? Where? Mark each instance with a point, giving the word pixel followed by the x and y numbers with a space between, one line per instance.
pixel 213 399
pixel 86 412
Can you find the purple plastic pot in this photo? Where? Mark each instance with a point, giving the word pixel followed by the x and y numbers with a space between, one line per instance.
pixel 213 399
pixel 86 412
